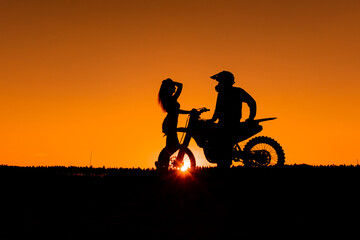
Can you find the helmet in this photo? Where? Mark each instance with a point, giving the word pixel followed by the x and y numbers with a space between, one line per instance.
pixel 224 76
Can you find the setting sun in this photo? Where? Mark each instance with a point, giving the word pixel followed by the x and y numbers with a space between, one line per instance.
pixel 186 166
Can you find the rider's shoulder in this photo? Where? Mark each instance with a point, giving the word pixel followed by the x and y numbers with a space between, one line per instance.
pixel 238 90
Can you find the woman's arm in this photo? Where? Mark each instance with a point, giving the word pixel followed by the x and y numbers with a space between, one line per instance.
pixel 177 94
pixel 178 90
pixel 184 111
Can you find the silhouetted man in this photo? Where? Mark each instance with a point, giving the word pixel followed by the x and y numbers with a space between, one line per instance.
pixel 229 112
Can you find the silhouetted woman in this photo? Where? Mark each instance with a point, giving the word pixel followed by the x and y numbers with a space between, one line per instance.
pixel 168 94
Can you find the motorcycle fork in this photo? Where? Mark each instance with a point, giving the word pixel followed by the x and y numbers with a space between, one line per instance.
pixel 185 143
pixel 183 147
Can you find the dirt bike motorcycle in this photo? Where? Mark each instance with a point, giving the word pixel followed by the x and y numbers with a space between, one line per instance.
pixel 258 151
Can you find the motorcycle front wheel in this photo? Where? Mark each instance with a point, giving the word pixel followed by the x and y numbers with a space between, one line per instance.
pixel 167 161
pixel 263 151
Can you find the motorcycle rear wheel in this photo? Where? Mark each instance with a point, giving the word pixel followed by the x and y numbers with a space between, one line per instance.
pixel 263 151
pixel 166 162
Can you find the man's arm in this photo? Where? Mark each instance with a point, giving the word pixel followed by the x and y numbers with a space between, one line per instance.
pixel 251 103
pixel 216 112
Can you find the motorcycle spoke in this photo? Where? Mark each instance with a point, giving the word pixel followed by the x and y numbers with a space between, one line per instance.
pixel 186 161
pixel 264 151
pixel 266 147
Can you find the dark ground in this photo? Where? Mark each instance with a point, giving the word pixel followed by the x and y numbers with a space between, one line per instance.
pixel 89 203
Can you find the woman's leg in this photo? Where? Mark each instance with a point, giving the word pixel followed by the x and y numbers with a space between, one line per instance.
pixel 172 142
pixel 172 145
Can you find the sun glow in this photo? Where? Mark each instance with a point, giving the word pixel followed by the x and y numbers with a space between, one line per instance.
pixel 185 167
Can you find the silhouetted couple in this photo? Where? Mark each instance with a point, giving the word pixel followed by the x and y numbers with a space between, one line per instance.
pixel 228 113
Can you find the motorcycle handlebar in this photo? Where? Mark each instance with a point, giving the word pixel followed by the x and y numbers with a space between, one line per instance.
pixel 198 111
pixel 204 109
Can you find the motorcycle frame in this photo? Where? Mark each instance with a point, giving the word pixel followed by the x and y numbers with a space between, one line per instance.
pixel 195 116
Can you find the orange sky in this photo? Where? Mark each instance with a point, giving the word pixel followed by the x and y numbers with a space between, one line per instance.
pixel 82 76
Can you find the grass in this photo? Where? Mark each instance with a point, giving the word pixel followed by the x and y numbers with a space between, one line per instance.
pixel 100 203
